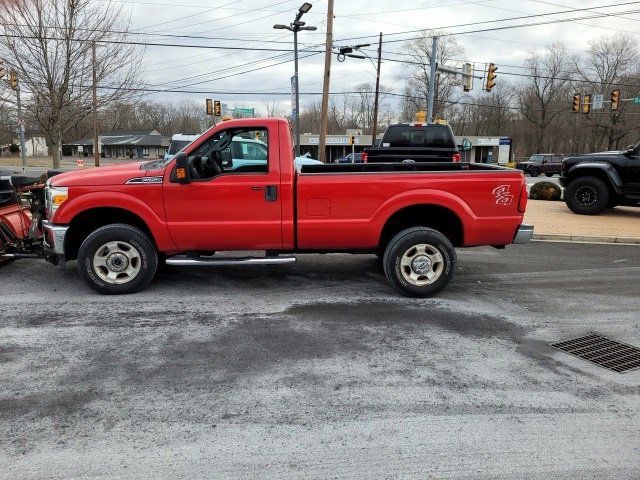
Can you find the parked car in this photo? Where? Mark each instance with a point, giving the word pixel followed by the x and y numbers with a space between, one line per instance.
pixel 351 158
pixel 416 142
pixel 120 221
pixel 547 163
pixel 596 181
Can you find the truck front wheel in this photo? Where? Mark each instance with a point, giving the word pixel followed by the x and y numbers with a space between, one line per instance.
pixel 117 259
pixel 587 195
pixel 419 261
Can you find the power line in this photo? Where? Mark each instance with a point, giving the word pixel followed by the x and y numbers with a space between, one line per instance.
pixel 522 17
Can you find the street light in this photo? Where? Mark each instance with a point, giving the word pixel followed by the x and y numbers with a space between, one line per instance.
pixel 295 27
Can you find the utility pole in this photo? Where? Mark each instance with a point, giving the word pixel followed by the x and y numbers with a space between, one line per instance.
pixel 96 146
pixel 374 130
pixel 325 87
pixel 432 79
pixel 23 155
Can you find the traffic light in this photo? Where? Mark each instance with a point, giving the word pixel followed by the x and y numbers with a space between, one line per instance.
pixel 491 77
pixel 576 103
pixel 209 106
pixel 352 140
pixel 615 98
pixel 467 77
pixel 217 108
pixel 1 69
pixel 421 116
pixel 13 79
pixel 586 104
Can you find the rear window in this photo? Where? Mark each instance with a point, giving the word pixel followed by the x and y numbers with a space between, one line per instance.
pixel 409 136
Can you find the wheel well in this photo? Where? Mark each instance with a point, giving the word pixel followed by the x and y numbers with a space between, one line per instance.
pixel 90 220
pixel 593 172
pixel 433 216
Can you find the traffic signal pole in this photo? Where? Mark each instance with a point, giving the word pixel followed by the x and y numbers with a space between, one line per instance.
pixel 374 130
pixel 432 79
pixel 96 145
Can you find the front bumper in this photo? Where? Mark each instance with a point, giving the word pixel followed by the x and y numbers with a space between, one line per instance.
pixel 54 236
pixel 523 234
pixel 564 181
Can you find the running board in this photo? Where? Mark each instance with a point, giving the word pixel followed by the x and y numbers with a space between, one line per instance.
pixel 181 260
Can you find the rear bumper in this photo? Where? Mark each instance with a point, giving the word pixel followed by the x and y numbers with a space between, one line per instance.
pixel 523 234
pixel 54 236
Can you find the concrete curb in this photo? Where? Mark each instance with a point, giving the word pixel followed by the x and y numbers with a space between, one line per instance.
pixel 549 237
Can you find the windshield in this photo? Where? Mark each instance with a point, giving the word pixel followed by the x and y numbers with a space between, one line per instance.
pixel 177 145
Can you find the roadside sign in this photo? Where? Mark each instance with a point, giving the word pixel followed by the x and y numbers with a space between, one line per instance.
pixel 80 162
pixel 636 100
pixel 598 102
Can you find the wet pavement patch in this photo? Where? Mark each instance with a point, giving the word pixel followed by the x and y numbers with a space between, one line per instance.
pixel 610 354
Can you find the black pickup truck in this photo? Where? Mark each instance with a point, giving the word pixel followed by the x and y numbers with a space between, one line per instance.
pixel 415 142
pixel 596 181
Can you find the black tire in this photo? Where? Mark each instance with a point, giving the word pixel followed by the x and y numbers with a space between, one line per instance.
pixel 534 172
pixel 126 237
pixel 587 196
pixel 402 244
pixel 549 174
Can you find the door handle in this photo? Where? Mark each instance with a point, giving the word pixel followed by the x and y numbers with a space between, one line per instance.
pixel 271 193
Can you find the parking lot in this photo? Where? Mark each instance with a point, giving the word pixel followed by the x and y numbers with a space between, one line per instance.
pixel 320 370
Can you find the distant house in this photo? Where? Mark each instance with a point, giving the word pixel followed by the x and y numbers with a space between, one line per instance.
pixel 36 147
pixel 125 144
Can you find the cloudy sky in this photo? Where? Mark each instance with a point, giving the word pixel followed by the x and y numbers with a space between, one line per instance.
pixel 233 25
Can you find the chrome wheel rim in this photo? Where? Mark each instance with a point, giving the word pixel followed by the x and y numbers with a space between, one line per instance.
pixel 586 195
pixel 117 262
pixel 422 264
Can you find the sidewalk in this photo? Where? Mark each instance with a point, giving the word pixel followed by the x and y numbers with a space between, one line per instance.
pixel 554 221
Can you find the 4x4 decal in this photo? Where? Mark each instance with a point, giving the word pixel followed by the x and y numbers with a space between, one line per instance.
pixel 503 195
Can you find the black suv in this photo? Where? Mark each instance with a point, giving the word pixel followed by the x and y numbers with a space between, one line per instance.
pixel 547 163
pixel 416 142
pixel 596 181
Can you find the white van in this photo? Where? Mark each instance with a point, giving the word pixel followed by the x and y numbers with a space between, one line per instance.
pixel 178 142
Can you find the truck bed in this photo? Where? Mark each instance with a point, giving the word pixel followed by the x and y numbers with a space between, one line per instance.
pixel 346 206
pixel 402 167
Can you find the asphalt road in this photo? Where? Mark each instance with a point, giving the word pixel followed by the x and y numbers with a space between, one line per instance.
pixel 319 370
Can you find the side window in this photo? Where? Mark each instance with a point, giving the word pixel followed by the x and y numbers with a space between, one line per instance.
pixel 557 159
pixel 232 151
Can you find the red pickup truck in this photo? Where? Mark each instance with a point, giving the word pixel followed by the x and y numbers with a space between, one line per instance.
pixel 238 188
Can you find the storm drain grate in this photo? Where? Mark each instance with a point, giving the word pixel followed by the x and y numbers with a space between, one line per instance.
pixel 603 351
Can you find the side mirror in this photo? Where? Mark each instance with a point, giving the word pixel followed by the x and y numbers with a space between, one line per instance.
pixel 630 148
pixel 466 145
pixel 183 174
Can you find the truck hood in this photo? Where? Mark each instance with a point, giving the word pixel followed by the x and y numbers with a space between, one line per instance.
pixel 109 175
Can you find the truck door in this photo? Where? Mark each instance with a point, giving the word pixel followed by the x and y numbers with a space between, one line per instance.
pixel 233 200
pixel 631 174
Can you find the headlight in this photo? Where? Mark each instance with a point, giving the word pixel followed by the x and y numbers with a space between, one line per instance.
pixel 54 197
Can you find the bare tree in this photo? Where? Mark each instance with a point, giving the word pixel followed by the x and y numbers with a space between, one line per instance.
pixel 611 60
pixel 449 51
pixel 545 92
pixel 49 43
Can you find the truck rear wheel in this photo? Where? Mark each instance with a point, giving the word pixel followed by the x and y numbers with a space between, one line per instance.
pixel 587 195
pixel 419 261
pixel 117 259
